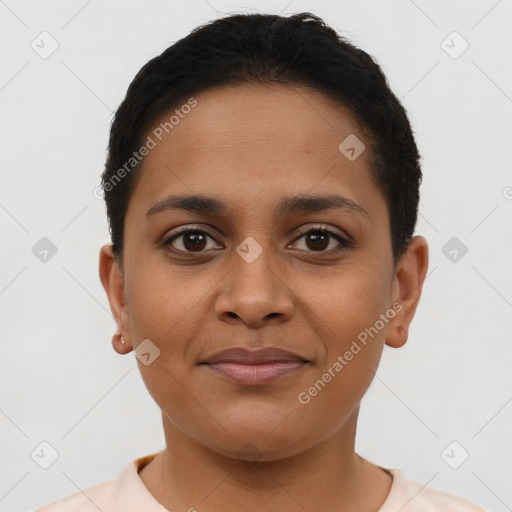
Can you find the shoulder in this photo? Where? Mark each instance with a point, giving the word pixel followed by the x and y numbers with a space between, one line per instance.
pixel 410 496
pixel 98 497
pixel 126 492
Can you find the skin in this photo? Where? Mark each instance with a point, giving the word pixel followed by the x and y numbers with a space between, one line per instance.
pixel 250 146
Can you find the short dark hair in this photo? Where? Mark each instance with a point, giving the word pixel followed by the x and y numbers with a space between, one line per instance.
pixel 267 49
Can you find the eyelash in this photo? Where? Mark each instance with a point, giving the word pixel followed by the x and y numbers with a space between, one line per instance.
pixel 345 244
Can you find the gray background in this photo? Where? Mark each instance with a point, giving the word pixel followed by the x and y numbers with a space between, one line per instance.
pixel 61 380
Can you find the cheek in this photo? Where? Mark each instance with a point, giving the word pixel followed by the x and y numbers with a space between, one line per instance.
pixel 353 341
pixel 348 320
pixel 348 302
pixel 167 310
pixel 163 305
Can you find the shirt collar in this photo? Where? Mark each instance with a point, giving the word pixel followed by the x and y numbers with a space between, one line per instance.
pixel 131 493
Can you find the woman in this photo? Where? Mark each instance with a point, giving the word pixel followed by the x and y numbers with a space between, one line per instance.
pixel 262 186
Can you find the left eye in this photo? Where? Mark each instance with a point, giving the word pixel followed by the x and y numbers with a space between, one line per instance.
pixel 318 240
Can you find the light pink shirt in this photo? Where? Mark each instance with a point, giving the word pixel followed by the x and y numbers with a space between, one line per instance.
pixel 128 494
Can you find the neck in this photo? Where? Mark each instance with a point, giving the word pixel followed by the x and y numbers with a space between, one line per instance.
pixel 329 476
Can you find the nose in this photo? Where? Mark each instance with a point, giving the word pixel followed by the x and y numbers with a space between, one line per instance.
pixel 254 293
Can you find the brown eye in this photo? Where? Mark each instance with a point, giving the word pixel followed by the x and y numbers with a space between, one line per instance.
pixel 189 240
pixel 319 240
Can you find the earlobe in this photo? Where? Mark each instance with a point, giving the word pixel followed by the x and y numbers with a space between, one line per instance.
pixel 408 282
pixel 396 336
pixel 121 346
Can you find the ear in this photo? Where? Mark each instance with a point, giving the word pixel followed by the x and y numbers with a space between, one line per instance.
pixel 112 279
pixel 411 271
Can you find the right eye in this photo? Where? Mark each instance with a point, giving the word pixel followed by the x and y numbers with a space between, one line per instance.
pixel 189 240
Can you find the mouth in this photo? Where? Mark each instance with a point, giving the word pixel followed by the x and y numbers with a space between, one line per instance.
pixel 254 367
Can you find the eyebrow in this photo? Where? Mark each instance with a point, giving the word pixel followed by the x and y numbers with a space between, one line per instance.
pixel 301 203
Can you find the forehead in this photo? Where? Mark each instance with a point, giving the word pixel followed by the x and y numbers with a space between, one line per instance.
pixel 252 142
pixel 238 118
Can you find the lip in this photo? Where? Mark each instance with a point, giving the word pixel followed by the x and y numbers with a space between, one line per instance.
pixel 254 367
pixel 243 355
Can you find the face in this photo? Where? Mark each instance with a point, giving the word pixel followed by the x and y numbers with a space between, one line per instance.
pixel 291 251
